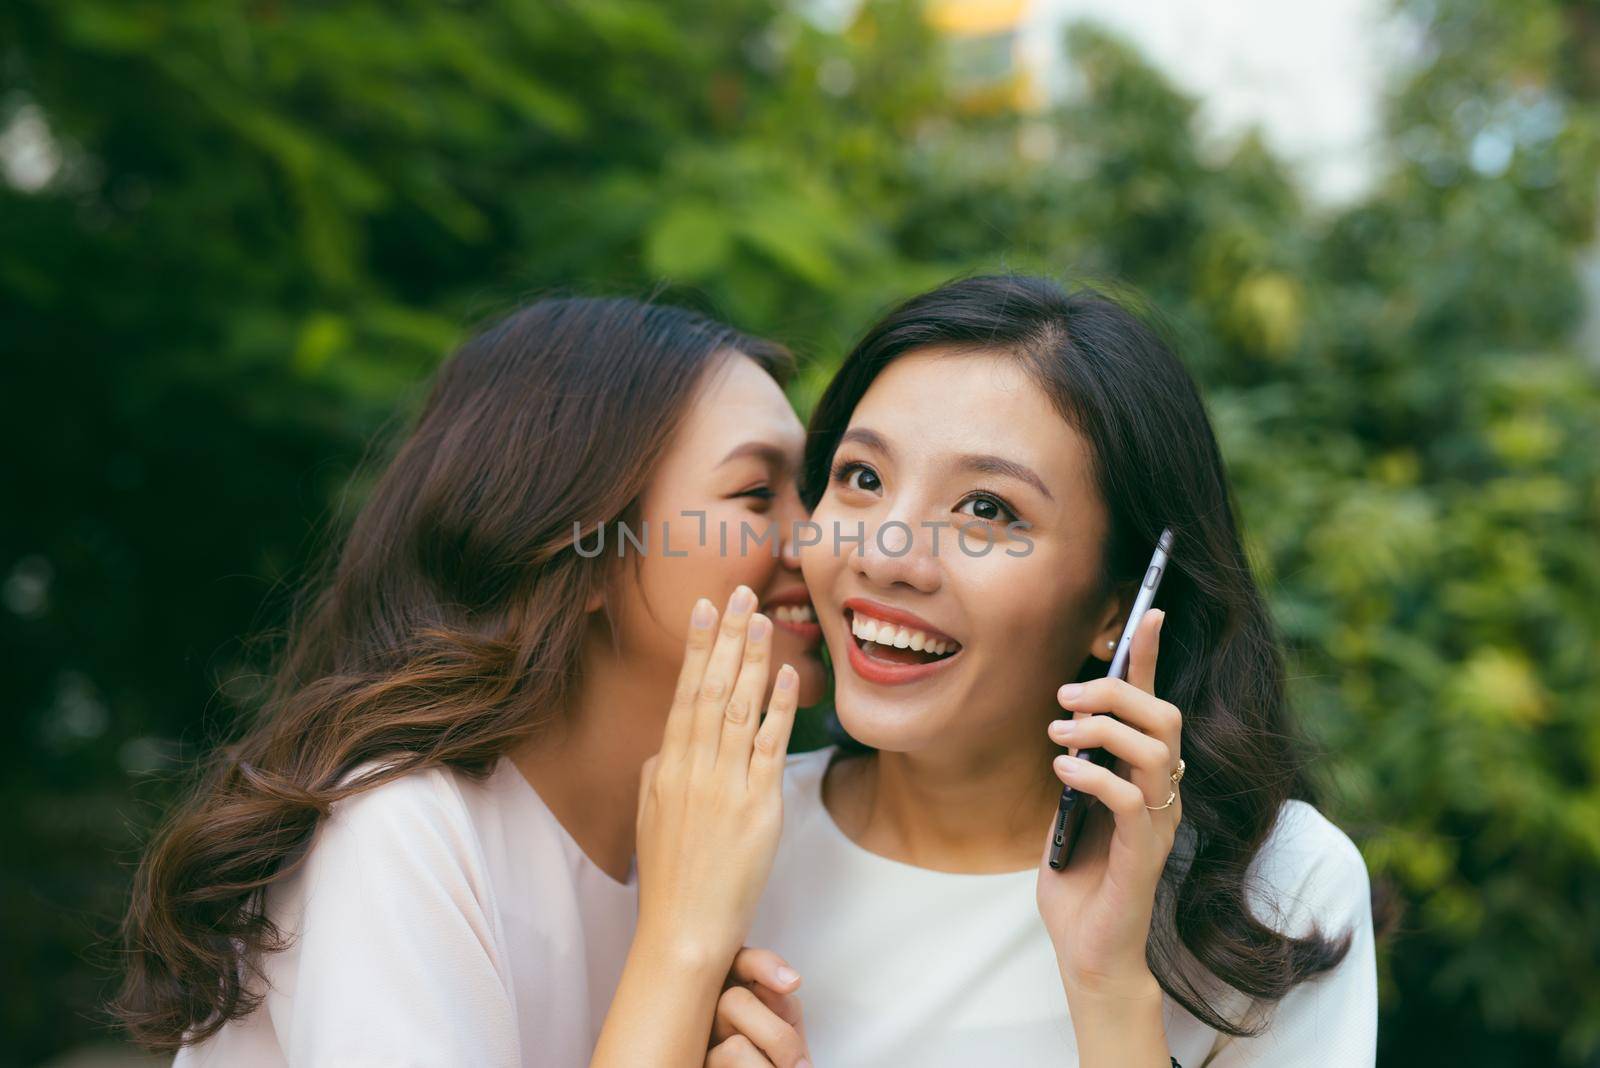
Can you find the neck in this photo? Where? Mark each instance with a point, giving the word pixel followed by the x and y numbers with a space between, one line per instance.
pixel 587 769
pixel 977 806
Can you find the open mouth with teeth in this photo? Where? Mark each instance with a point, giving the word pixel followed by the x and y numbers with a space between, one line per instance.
pixel 893 643
pixel 795 616
pixel 793 613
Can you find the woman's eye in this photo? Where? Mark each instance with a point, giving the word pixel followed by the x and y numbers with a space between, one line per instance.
pixel 858 477
pixel 760 493
pixel 990 509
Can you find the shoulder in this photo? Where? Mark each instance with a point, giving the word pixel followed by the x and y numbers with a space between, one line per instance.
pixel 1309 876
pixel 397 951
pixel 1309 873
pixel 421 800
pixel 419 823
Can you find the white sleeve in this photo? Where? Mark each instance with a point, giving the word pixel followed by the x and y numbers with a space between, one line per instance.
pixel 396 961
pixel 1330 1021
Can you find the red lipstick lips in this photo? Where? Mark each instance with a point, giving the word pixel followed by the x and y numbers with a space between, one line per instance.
pixel 884 672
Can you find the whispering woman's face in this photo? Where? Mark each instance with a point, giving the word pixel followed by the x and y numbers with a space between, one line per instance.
pixel 720 512
pixel 974 591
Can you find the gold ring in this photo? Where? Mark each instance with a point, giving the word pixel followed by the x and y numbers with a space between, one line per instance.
pixel 1177 775
pixel 1173 796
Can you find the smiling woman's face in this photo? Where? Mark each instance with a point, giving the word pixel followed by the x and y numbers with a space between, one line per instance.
pixel 970 441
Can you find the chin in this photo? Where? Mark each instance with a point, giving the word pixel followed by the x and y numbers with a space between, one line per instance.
pixel 894 725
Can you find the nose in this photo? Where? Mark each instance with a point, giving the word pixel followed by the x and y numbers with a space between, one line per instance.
pixel 791 516
pixel 899 552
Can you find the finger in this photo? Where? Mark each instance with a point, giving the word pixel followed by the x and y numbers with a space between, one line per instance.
pixel 1128 703
pixel 721 670
pixel 786 1006
pixel 740 1012
pixel 1149 759
pixel 741 716
pixel 1138 847
pixel 1142 653
pixel 766 968
pixel 1123 798
pixel 736 1052
pixel 772 740
pixel 743 1010
pixel 697 650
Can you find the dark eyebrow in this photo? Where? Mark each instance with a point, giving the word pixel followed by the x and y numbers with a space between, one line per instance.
pixel 761 450
pixel 999 465
pixel 870 438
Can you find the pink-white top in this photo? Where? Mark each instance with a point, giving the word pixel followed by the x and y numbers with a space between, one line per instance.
pixel 437 920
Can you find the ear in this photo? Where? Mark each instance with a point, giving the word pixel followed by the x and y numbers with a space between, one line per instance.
pixel 602 585
pixel 596 600
pixel 1113 617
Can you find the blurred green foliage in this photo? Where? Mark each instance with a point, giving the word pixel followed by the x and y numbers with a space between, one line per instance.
pixel 270 220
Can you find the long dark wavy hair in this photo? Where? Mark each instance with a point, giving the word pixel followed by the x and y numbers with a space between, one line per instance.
pixel 1156 465
pixel 444 630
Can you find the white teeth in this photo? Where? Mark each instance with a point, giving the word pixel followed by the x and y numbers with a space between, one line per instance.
pixel 875 630
pixel 794 613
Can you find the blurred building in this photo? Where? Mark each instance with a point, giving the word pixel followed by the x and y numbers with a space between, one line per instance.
pixel 993 65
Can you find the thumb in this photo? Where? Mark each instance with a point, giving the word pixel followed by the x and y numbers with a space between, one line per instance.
pixel 766 968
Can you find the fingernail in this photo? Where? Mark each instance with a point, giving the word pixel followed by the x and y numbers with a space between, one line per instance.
pixel 802 1064
pixel 702 613
pixel 786 677
pixel 785 975
pixel 1062 728
pixel 743 599
pixel 759 628
pixel 1071 765
pixel 1161 620
pixel 1071 691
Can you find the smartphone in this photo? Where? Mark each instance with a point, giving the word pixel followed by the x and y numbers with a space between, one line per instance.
pixel 1074 805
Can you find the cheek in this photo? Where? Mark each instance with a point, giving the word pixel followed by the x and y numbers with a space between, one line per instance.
pixel 661 590
pixel 821 566
pixel 709 561
pixel 820 561
pixel 741 546
pixel 1023 616
pixel 818 566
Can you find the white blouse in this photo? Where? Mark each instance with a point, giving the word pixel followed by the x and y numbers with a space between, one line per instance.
pixel 904 965
pixel 437 920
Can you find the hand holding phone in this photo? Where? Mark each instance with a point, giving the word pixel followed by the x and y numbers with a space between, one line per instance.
pixel 1073 807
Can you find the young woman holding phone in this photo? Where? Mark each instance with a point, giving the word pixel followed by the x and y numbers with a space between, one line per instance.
pixel 421 850
pixel 990 471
